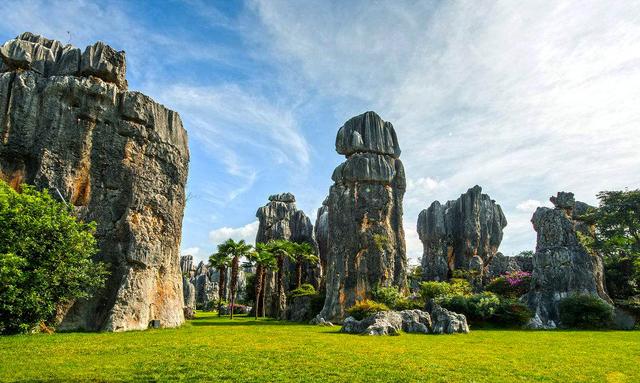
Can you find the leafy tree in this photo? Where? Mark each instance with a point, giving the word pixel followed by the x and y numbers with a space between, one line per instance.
pixel 617 238
pixel 233 250
pixel 264 260
pixel 45 258
pixel 282 249
pixel 221 260
pixel 302 252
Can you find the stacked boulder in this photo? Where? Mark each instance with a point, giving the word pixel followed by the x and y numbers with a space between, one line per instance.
pixel 441 321
pixel 365 239
pixel 463 234
pixel 281 219
pixel 562 266
pixel 69 124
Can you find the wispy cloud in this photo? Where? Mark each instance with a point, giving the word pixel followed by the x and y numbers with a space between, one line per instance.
pixel 246 233
pixel 524 99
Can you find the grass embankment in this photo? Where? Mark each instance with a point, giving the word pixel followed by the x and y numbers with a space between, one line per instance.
pixel 218 349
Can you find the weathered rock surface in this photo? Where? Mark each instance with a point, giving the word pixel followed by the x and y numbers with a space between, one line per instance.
pixel 441 321
pixel 448 322
pixel 561 264
pixel 203 282
pixel 281 219
pixel 299 309
pixel 365 239
pixel 117 156
pixel 319 321
pixel 461 234
pixel 321 231
pixel 502 264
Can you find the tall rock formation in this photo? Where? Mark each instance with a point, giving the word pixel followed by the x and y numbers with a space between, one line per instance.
pixel 68 123
pixel 561 264
pixel 321 231
pixel 463 234
pixel 365 234
pixel 281 219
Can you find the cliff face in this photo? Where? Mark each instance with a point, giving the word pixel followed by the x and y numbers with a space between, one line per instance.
pixel 462 234
pixel 68 123
pixel 561 264
pixel 281 219
pixel 366 245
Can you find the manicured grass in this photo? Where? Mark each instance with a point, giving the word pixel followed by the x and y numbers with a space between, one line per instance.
pixel 218 349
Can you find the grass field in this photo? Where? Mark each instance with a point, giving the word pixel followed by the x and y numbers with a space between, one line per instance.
pixel 218 349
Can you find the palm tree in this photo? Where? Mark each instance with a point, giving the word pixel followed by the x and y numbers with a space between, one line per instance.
pixel 220 260
pixel 264 260
pixel 302 252
pixel 234 250
pixel 281 249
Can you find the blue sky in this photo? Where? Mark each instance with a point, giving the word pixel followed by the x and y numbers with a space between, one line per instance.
pixel 522 98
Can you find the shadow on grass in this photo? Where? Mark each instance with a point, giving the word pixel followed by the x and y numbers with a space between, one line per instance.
pixel 242 321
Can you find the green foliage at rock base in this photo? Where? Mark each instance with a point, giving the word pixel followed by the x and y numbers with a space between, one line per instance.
pixel 366 308
pixel 45 258
pixel 585 311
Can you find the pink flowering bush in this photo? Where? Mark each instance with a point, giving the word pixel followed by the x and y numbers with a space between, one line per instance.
pixel 511 285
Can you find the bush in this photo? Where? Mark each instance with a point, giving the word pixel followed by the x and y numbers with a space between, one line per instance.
pixel 488 307
pixel 512 312
pixel 433 290
pixel 45 258
pixel 387 295
pixel 585 311
pixel 510 285
pixel 365 309
pixel 304 290
pixel 409 304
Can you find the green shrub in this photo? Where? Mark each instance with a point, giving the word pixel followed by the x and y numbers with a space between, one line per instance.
pixel 512 312
pixel 366 308
pixel 585 311
pixel 488 307
pixel 386 295
pixel 511 285
pixel 409 304
pixel 45 258
pixel 304 290
pixel 434 290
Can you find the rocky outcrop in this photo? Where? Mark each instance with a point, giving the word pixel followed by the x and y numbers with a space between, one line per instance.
pixel 441 321
pixel 321 231
pixel 366 245
pixel 462 234
pixel 561 264
pixel 502 264
pixel 68 123
pixel 281 219
pixel 448 322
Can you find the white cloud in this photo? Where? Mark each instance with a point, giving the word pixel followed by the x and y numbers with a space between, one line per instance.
pixel 194 251
pixel 524 99
pixel 529 206
pixel 246 232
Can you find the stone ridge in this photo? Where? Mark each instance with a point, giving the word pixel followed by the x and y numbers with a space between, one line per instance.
pixel 461 234
pixel 561 264
pixel 367 133
pixel 360 224
pixel 119 158
pixel 50 58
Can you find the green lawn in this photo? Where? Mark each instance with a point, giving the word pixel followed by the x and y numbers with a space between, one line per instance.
pixel 214 349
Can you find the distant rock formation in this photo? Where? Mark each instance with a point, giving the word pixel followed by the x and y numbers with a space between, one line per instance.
pixel 321 231
pixel 281 219
pixel 201 287
pixel 561 264
pixel 366 245
pixel 502 264
pixel 463 234
pixel 68 123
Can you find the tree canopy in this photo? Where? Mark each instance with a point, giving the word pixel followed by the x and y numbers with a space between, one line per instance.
pixel 45 258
